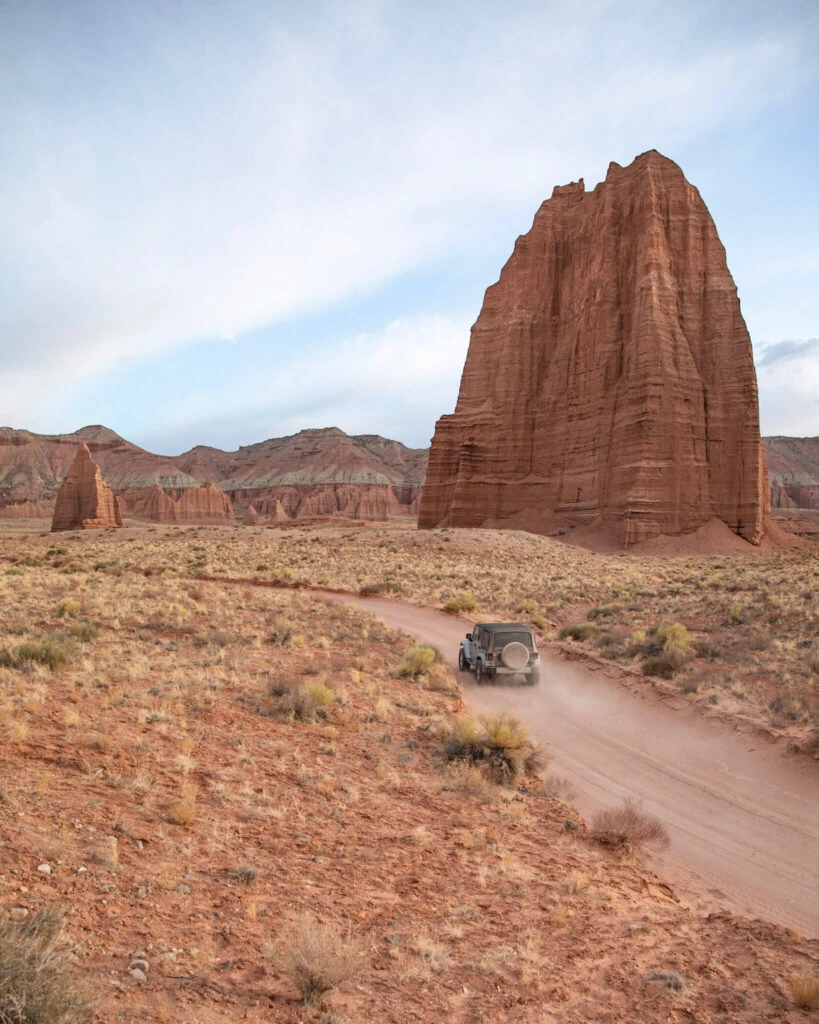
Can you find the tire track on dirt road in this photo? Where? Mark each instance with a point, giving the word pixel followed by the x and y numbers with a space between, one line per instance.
pixel 743 816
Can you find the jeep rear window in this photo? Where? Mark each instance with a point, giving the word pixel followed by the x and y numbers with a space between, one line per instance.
pixel 502 639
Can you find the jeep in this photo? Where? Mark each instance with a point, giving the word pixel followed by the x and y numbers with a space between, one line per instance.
pixel 500 649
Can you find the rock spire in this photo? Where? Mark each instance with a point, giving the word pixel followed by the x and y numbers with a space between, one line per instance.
pixel 609 383
pixel 84 500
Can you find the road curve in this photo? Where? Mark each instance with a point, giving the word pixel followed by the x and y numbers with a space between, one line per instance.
pixel 743 816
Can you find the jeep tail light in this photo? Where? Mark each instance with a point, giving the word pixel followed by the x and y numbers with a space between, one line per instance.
pixel 489 656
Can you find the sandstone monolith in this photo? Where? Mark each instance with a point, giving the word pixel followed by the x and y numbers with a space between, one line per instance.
pixel 84 500
pixel 609 383
pixel 251 516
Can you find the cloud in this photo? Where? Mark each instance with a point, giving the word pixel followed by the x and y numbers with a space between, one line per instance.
pixel 788 376
pixel 789 350
pixel 395 381
pixel 205 173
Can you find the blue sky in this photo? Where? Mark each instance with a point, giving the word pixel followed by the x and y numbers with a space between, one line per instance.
pixel 223 222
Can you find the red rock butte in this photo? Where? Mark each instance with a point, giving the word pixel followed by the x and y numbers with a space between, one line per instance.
pixel 609 384
pixel 84 500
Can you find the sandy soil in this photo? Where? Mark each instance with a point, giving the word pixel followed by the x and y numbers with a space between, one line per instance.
pixel 741 814
pixel 153 788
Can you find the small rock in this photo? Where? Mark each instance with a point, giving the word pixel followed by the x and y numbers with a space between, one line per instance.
pixel 138 964
pixel 138 975
pixel 82 871
pixel 141 892
pixel 18 913
pixel 44 869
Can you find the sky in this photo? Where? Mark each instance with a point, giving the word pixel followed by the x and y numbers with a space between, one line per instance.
pixel 223 222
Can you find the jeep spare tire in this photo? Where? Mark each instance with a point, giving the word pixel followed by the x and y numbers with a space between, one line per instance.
pixel 515 655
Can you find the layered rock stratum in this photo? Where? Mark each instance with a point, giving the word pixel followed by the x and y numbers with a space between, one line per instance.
pixel 609 383
pixel 793 467
pixel 25 510
pixel 312 474
pixel 84 500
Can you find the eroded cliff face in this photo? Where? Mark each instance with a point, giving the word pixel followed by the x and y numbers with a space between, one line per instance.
pixel 793 464
pixel 84 500
pixel 609 382
pixel 189 505
pixel 315 473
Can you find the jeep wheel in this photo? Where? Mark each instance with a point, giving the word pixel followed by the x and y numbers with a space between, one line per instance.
pixel 534 677
pixel 478 673
pixel 461 660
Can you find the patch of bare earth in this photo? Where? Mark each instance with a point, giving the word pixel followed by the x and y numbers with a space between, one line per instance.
pixel 197 773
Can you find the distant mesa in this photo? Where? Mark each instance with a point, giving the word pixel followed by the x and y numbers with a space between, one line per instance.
pixel 318 473
pixel 84 500
pixel 609 387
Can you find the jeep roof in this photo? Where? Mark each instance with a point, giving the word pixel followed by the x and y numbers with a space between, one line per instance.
pixel 492 626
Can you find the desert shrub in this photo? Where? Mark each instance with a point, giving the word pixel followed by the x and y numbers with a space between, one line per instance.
pixel 629 827
pixel 440 679
pixel 463 777
pixel 499 743
pixel 708 649
pixel 673 636
pixel 603 611
pixel 85 632
pixel 674 642
pixel 736 615
pixel 612 641
pixel 805 991
pixel 281 632
pixel 579 631
pixel 35 983
pixel 183 812
pixel 68 606
pixel 461 603
pixel 316 956
pixel 371 589
pixel 50 653
pixel 419 661
pixel 284 683
pixel 288 698
pixel 664 665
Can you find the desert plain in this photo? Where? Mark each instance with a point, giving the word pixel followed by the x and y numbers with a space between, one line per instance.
pixel 208 766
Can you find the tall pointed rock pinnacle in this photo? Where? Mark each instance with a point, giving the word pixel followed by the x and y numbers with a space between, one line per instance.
pixel 609 382
pixel 85 501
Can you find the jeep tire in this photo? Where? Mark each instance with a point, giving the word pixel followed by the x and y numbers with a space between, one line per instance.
pixel 462 660
pixel 478 672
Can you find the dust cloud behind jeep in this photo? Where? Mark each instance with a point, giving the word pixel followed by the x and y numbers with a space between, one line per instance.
pixel 496 649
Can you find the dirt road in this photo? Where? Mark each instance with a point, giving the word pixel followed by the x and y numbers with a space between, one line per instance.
pixel 743 817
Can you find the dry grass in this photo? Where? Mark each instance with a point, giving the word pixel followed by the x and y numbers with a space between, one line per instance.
pixel 499 744
pixel 316 956
pixel 349 812
pixel 36 983
pixel 805 990
pixel 629 827
pixel 747 619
